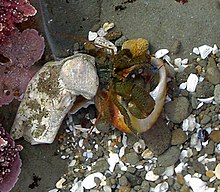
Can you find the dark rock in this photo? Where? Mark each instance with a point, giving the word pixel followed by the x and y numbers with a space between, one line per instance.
pixel 169 157
pixel 217 93
pixel 178 110
pixel 101 165
pixel 212 72
pixel 198 167
pixel 209 149
pixel 123 181
pixel 158 138
pixel 204 89
pixel 205 119
pixel 178 137
pixel 132 158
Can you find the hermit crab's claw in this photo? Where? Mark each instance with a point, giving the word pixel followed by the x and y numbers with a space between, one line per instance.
pixel 158 94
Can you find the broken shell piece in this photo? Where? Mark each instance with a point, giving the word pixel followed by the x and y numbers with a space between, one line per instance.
pixel 59 184
pixel 89 181
pixel 112 161
pixel 106 26
pixel 189 124
pixel 206 100
pixel 192 82
pixel 150 176
pixel 160 53
pixel 50 95
pixel 214 49
pixel 204 51
pixel 196 50
pixel 104 42
pixel 161 187
pixel 92 36
pixel 139 146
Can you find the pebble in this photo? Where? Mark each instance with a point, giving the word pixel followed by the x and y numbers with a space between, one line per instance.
pixel 178 110
pixel 204 89
pixel 136 46
pixel 205 119
pixel 158 138
pixel 101 165
pixel 209 149
pixel 124 189
pixel 147 154
pixel 123 181
pixel 209 173
pixel 180 179
pixel 132 158
pixel 169 157
pixel 198 167
pixel 215 136
pixel 119 42
pixel 217 94
pixel 178 137
pixel 212 72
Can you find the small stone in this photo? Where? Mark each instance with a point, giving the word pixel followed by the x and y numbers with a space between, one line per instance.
pixel 204 89
pixel 198 167
pixel 124 189
pixel 136 46
pixel 178 110
pixel 175 48
pixel 101 165
pixel 212 72
pixel 178 137
pixel 132 158
pixel 158 138
pixel 205 119
pixel 119 42
pixel 113 35
pixel 180 179
pixel 145 185
pixel 209 173
pixel 217 94
pixel 123 181
pixel 184 188
pixel 215 136
pixel 217 171
pixel 169 157
pixel 209 149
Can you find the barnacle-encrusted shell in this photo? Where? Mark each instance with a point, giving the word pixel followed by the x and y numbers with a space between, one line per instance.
pixel 51 94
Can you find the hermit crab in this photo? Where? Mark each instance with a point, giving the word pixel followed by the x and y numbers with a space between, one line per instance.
pixel 128 88
pixel 132 88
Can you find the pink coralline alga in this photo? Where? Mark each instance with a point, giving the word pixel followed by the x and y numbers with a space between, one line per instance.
pixel 13 12
pixel 21 50
pixel 10 162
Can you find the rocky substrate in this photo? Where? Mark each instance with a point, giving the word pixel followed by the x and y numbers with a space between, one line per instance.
pixel 180 153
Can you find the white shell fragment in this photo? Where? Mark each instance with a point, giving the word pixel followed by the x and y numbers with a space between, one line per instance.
pixel 214 49
pixel 59 184
pixel 204 51
pixel 112 161
pixel 192 82
pixel 217 171
pixel 92 36
pixel 139 146
pixel 107 26
pixel 189 123
pixel 161 187
pixel 150 176
pixel 89 183
pixel 104 42
pixel 196 50
pixel 161 52
pixel 50 95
